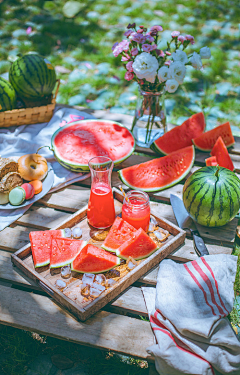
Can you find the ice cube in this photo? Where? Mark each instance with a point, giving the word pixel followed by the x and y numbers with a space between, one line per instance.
pixel 66 271
pixel 96 289
pixel 76 232
pixel 88 278
pixel 110 282
pixel 153 220
pixel 130 265
pixel 151 227
pixel 68 232
pixel 161 234
pixel 85 290
pixel 132 260
pixel 60 284
pixel 100 279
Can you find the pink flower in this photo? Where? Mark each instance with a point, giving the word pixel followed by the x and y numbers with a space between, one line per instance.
pixel 175 34
pixel 139 38
pixel 128 33
pixel 161 54
pixel 129 66
pixel 181 38
pixel 148 47
pixel 156 28
pixel 149 38
pixel 29 30
pixel 115 44
pixel 168 53
pixel 120 47
pixel 191 38
pixel 140 31
pixel 129 76
pixel 125 58
pixel 134 52
pixel 168 62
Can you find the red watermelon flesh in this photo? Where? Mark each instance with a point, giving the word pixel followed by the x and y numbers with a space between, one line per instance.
pixel 211 161
pixel 64 251
pixel 221 153
pixel 180 136
pixel 92 259
pixel 120 232
pixel 207 140
pixel 138 247
pixel 41 245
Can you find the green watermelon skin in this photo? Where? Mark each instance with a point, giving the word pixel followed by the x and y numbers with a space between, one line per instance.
pixel 32 76
pixel 8 98
pixel 211 195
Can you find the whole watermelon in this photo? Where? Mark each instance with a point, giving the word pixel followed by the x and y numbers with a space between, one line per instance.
pixel 32 76
pixel 7 96
pixel 211 195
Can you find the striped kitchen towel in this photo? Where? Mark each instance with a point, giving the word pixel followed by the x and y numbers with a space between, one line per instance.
pixel 188 313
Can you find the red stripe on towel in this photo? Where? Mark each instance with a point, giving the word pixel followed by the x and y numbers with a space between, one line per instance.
pixel 208 282
pixel 200 287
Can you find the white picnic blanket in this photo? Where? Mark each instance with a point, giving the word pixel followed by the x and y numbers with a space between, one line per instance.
pixel 26 139
pixel 188 310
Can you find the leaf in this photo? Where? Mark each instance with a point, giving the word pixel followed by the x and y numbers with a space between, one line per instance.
pixel 71 8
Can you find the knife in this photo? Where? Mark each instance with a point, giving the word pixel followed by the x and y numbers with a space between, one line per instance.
pixel 185 222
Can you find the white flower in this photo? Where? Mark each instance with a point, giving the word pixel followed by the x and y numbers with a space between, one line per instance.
pixel 171 85
pixel 177 71
pixel 180 56
pixel 205 53
pixel 163 74
pixel 196 61
pixel 145 66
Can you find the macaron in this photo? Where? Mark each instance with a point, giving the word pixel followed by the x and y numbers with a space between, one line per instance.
pixel 17 196
pixel 4 198
pixel 37 184
pixel 29 190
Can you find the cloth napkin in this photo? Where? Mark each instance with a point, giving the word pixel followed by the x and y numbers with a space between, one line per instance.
pixel 26 139
pixel 187 312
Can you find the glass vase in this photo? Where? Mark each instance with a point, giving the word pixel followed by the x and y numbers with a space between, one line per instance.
pixel 149 122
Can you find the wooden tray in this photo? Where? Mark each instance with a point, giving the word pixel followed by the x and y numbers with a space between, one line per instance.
pixel 70 298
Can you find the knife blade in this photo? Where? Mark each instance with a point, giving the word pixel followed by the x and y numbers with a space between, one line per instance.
pixel 185 222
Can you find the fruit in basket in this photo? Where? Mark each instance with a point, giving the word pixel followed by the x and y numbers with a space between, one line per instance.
pixel 206 141
pixel 120 232
pixel 221 153
pixel 32 167
pixel 8 98
pixel 161 173
pixel 64 251
pixel 32 76
pixel 211 195
pixel 180 136
pixel 92 259
pixel 76 143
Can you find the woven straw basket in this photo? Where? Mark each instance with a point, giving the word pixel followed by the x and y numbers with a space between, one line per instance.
pixel 26 116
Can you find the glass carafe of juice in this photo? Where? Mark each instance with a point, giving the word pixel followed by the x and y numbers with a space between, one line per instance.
pixel 101 211
pixel 136 209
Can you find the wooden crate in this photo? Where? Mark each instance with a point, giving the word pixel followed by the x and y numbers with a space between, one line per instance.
pixel 70 298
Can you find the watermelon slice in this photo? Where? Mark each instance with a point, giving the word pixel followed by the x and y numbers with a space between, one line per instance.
pixel 161 173
pixel 221 153
pixel 180 136
pixel 41 245
pixel 138 247
pixel 64 251
pixel 211 161
pixel 77 142
pixel 92 259
pixel 206 141
pixel 120 232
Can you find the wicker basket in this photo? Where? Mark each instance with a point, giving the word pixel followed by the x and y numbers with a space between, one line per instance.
pixel 26 116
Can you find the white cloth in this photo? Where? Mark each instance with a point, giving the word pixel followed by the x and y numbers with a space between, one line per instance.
pixel 26 139
pixel 188 310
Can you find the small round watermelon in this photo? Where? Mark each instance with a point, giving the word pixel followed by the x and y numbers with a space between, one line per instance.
pixel 8 97
pixel 32 76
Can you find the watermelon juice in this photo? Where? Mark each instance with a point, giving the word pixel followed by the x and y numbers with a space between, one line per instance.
pixel 136 209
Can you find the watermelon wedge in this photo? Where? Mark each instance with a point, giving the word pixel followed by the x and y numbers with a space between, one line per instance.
pixel 161 173
pixel 211 161
pixel 41 245
pixel 75 143
pixel 64 251
pixel 138 247
pixel 221 153
pixel 120 232
pixel 92 259
pixel 207 140
pixel 180 136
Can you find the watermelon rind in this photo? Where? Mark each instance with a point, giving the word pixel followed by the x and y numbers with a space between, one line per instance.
pixel 70 259
pixel 165 186
pixel 223 128
pixel 138 258
pixel 82 167
pixel 118 261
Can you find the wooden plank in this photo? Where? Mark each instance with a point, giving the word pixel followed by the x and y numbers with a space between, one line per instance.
pixel 104 330
pixel 12 238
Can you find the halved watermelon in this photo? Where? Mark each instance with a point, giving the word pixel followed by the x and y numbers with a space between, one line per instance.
pixel 64 251
pixel 138 247
pixel 75 143
pixel 41 245
pixel 120 232
pixel 92 259
pixel 211 161
pixel 221 153
pixel 180 136
pixel 161 173
pixel 206 141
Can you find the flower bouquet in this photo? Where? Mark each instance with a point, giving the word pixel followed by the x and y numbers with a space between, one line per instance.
pixel 157 72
